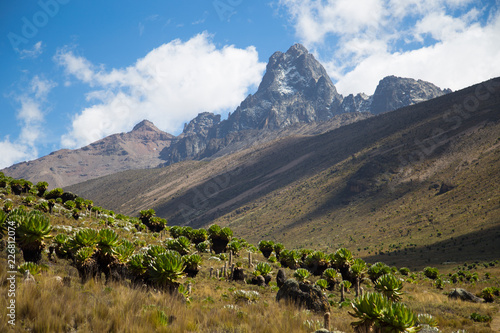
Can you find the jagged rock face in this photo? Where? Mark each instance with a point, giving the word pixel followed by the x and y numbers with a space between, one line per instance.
pixel 358 103
pixel 194 139
pixel 395 92
pixel 201 125
pixel 295 88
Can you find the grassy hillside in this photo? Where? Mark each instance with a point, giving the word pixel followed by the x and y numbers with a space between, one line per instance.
pixel 372 186
pixel 58 301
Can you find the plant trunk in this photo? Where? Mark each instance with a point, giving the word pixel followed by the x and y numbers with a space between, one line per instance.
pixel 219 245
pixel 267 253
pixel 191 272
pixel 32 255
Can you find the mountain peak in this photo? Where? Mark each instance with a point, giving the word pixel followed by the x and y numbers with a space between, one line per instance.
pixel 297 50
pixel 145 125
pixel 394 92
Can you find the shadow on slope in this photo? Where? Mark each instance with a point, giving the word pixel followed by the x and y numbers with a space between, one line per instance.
pixel 373 149
pixel 481 245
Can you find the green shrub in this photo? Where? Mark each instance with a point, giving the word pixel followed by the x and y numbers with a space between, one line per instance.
pixel 263 268
pixel 234 246
pixel 368 310
pixel 301 274
pixel 426 319
pixel 33 230
pixel 29 200
pixel 124 250
pixel 203 246
pixel 181 245
pixel 431 272
pixel 278 247
pixel 488 294
pixel 322 283
pixel 70 205
pixel 266 247
pixel 33 268
pixel 54 194
pixel 389 286
pixel 480 318
pixel 192 261
pixel 166 269
pixel 377 270
pixel 378 314
pixel 43 207
pixel 199 236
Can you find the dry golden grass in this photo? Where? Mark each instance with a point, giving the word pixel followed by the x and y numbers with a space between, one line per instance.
pixel 96 306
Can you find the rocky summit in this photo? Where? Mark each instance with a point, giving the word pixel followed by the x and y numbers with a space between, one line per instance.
pixel 295 88
pixel 395 92
pixel 137 149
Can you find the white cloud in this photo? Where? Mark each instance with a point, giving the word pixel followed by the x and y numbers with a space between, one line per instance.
pixel 30 116
pixel 447 42
pixel 32 53
pixel 169 86
pixel 13 152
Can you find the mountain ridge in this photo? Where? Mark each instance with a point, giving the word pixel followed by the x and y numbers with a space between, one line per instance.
pixel 295 90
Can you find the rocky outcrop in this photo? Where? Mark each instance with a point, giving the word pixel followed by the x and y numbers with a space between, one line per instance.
pixel 194 138
pixel 303 295
pixel 395 92
pixel 358 103
pixel 464 295
pixel 280 278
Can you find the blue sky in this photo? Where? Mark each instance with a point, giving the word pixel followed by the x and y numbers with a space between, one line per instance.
pixel 74 71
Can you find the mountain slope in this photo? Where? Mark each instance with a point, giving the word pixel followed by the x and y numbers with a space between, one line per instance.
pixel 373 186
pixel 137 149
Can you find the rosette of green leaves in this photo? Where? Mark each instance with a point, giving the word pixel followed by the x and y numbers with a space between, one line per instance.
pixel 322 283
pixel 234 246
pixel 263 268
pixel 32 234
pixel 199 236
pixel 390 286
pixel 368 309
pixel 166 269
pixel 181 245
pixel 192 261
pixel 124 250
pixel 397 317
pixel 301 274
pixel 83 238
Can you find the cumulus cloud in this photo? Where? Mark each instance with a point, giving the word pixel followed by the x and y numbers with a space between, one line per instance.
pixel 452 43
pixel 30 115
pixel 169 86
pixel 13 152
